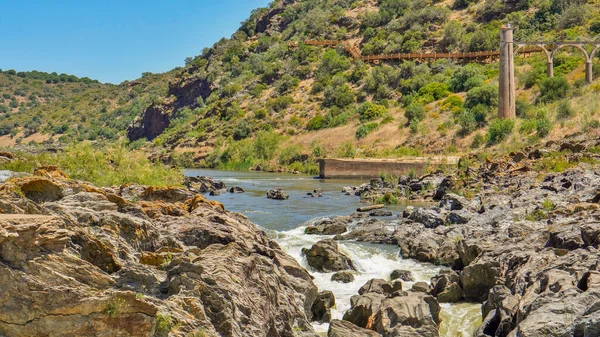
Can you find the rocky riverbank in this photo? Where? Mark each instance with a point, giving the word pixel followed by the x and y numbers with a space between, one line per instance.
pixel 78 260
pixel 524 243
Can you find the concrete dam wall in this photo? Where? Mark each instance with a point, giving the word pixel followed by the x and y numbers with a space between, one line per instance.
pixel 373 168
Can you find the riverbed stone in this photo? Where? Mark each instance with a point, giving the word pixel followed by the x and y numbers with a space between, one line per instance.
pixel 341 328
pixel 342 277
pixel 428 217
pixel 329 226
pixel 363 307
pixel 414 314
pixel 321 308
pixel 325 256
pixel 404 275
pixel 277 194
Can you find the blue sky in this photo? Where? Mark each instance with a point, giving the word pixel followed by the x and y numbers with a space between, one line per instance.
pixel 112 40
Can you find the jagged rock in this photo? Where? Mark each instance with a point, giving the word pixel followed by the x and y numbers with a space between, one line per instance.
pixel 362 308
pixel 150 124
pixel 203 184
pixel 404 275
pixel 441 189
pixel 380 286
pixel 370 230
pixel 408 210
pixel 318 193
pixel 329 226
pixel 453 202
pixel 321 308
pixel 380 212
pixel 76 270
pixel 343 277
pixel 427 217
pixel 422 287
pixel 414 314
pixel 457 218
pixel 348 190
pixel 445 287
pixel 277 195
pixel 477 279
pixel 325 256
pixel 338 328
pixel 236 189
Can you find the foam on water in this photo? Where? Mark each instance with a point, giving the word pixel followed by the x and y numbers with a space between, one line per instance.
pixel 372 261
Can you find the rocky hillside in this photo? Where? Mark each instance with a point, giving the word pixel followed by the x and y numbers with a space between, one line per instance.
pixel 38 107
pixel 78 260
pixel 266 97
pixel 522 241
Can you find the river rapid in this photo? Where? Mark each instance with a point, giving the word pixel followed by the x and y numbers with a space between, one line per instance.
pixel 286 220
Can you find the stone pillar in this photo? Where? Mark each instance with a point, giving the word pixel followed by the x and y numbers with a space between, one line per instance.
pixel 589 74
pixel 550 68
pixel 506 85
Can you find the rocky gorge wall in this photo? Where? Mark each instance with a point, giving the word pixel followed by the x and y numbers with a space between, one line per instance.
pixel 77 260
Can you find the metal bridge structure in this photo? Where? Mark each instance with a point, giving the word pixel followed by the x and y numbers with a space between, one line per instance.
pixel 506 55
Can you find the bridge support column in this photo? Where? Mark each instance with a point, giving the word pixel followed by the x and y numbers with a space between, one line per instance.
pixel 550 68
pixel 589 74
pixel 506 90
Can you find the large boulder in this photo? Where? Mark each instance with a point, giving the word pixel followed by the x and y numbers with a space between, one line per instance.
pixel 413 314
pixel 325 256
pixel 277 194
pixel 404 275
pixel 329 226
pixel 380 286
pixel 343 277
pixel 321 308
pixel 445 287
pixel 428 217
pixel 363 308
pixel 338 328
pixel 477 279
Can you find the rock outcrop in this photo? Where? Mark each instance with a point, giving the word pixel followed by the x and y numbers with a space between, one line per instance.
pixel 78 260
pixel 325 256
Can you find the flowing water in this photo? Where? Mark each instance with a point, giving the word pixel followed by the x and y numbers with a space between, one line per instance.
pixel 285 221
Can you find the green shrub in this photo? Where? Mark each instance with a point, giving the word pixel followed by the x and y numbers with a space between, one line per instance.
pixel 527 126
pixel 280 103
pixel 477 141
pixel 435 89
pixel 413 126
pixel 564 110
pixel 242 130
pixel 266 144
pixel 369 111
pixel 499 130
pixel 543 127
pixel 466 78
pixel 340 96
pixel 414 112
pixel 364 129
pixel 467 122
pixel 553 88
pixel 486 95
pixel 346 150
pixel 522 108
pixel 453 101
pixel 316 123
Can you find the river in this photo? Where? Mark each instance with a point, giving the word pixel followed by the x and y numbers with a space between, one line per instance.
pixel 285 221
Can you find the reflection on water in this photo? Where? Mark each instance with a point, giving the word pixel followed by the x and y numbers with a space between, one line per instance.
pixel 285 220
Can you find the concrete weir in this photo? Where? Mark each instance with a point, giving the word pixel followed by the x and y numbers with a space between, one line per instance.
pixel 373 168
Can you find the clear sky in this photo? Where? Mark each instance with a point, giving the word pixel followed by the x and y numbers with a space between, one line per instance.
pixel 113 40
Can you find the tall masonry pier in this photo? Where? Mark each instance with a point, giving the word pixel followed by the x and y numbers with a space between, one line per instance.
pixel 506 90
